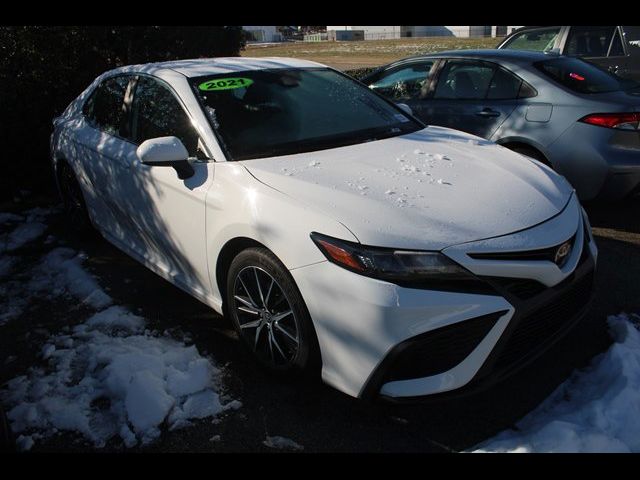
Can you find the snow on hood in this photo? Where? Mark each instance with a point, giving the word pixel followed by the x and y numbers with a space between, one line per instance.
pixel 425 190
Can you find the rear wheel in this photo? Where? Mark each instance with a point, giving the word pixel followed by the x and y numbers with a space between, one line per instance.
pixel 269 313
pixel 76 214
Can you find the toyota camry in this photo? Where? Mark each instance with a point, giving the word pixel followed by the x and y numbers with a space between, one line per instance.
pixel 337 232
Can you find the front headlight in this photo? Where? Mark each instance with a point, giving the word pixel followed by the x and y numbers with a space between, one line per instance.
pixel 405 267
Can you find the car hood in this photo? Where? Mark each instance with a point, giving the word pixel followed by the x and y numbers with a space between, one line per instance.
pixel 425 190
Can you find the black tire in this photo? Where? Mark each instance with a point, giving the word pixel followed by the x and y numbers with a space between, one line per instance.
pixel 278 294
pixel 7 442
pixel 75 208
pixel 530 152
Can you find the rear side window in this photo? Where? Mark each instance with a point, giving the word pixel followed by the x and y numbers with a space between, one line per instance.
pixel 475 80
pixel 105 107
pixel 504 85
pixel 590 41
pixel 579 76
pixel 540 39
pixel 157 113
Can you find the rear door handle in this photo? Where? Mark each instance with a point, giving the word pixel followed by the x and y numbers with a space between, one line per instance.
pixel 488 112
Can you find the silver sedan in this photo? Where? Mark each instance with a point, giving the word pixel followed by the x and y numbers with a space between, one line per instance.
pixel 565 112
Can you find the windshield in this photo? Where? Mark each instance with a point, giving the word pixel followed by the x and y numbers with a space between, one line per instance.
pixel 263 113
pixel 583 77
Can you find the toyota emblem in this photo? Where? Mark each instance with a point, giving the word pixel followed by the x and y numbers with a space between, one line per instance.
pixel 562 253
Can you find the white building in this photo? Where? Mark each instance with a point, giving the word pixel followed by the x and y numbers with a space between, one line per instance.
pixel 378 32
pixel 262 33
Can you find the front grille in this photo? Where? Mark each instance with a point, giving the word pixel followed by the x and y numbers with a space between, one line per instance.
pixel 440 350
pixel 525 289
pixel 526 255
pixel 544 323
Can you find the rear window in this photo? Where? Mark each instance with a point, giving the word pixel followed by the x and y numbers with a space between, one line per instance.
pixel 581 77
pixel 540 40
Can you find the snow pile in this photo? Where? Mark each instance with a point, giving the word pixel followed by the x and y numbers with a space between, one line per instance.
pixel 30 228
pixel 107 377
pixel 61 272
pixel 282 443
pixel 58 273
pixel 596 410
pixel 25 233
pixel 110 377
pixel 6 217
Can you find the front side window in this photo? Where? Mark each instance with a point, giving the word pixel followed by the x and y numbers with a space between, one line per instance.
pixel 589 41
pixel 582 77
pixel 273 112
pixel 105 107
pixel 405 82
pixel 463 79
pixel 540 40
pixel 155 112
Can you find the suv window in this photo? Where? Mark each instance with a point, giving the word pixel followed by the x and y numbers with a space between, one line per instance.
pixel 157 113
pixel 401 83
pixel 632 36
pixel 589 41
pixel 105 107
pixel 540 39
pixel 464 79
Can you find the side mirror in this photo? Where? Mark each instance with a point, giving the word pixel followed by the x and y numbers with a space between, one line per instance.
pixel 166 152
pixel 405 107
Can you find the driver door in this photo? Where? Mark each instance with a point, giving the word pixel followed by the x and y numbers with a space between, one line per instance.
pixel 168 214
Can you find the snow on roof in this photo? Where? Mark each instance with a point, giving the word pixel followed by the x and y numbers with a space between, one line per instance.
pixel 213 66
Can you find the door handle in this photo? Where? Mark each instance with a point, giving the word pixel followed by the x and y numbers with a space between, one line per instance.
pixel 488 112
pixel 613 68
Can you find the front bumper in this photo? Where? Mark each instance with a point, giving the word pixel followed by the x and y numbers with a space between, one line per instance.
pixel 537 324
pixel 380 339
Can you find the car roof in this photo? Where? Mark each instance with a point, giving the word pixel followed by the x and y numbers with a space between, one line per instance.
pixel 526 56
pixel 222 65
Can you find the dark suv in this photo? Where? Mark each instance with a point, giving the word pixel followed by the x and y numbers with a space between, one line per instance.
pixel 616 48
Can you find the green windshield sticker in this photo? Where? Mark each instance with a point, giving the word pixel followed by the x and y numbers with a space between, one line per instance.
pixel 225 84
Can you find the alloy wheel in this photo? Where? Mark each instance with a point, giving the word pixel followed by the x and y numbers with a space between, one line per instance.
pixel 265 316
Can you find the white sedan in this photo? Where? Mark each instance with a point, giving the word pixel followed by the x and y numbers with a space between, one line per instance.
pixel 335 230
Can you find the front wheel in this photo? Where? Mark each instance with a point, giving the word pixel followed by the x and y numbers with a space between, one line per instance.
pixel 269 314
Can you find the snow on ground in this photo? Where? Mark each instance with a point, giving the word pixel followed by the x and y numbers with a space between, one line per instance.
pixel 108 377
pixel 596 410
pixel 282 443
pixel 27 230
pixel 58 273
pixel 111 377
